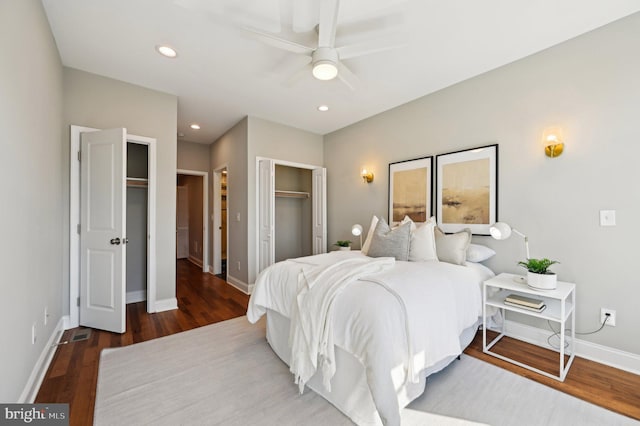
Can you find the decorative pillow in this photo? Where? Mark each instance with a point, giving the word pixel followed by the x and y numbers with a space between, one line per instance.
pixel 479 253
pixel 387 242
pixel 423 243
pixel 367 242
pixel 452 248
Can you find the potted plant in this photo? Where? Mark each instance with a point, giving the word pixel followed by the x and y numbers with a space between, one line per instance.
pixel 538 274
pixel 343 244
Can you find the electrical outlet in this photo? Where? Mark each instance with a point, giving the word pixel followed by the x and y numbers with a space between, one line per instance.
pixel 46 315
pixel 33 334
pixel 238 265
pixel 612 316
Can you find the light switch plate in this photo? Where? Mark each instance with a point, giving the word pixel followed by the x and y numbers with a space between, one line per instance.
pixel 607 218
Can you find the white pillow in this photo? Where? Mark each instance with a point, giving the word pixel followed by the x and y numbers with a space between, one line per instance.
pixel 423 242
pixel 479 253
pixel 452 248
pixel 367 242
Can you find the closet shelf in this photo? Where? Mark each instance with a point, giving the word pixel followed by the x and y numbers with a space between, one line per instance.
pixel 137 182
pixel 291 194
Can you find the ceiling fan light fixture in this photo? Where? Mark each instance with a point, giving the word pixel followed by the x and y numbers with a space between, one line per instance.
pixel 325 70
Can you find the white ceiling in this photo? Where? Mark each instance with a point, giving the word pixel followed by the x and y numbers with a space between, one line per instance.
pixel 223 74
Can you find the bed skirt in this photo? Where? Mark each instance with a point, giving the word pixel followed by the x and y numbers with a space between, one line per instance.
pixel 349 390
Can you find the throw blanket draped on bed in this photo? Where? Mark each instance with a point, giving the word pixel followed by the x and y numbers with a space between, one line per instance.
pixel 311 336
pixel 397 322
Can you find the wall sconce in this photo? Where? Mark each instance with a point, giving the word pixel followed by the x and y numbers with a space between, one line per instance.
pixel 553 141
pixel 367 175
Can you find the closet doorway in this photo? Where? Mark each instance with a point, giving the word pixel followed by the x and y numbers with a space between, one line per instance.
pixel 291 210
pixel 109 313
pixel 220 221
pixel 192 211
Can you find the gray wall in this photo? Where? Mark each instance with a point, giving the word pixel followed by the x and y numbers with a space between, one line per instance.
pixel 193 156
pixel 94 101
pixel 31 178
pixel 590 87
pixel 231 150
pixel 279 142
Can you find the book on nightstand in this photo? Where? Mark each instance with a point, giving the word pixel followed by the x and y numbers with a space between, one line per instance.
pixel 524 301
pixel 528 308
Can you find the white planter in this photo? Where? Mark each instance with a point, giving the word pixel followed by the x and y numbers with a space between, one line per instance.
pixel 344 248
pixel 542 281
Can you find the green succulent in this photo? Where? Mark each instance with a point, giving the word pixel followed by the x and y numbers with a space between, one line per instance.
pixel 538 266
pixel 343 243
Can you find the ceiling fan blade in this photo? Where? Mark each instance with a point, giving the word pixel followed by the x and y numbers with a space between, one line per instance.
pixel 280 43
pixel 299 74
pixel 328 23
pixel 369 47
pixel 347 77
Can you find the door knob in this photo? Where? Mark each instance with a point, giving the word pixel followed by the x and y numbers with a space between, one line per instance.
pixel 115 241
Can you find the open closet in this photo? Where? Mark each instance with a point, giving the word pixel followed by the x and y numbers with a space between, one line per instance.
pixel 137 214
pixel 293 231
pixel 291 211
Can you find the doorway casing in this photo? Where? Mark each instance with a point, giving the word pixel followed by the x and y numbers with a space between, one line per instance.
pixel 217 219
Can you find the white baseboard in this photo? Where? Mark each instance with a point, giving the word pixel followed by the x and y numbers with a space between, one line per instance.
pixel 166 304
pixel 66 321
pixel 42 365
pixel 136 296
pixel 612 357
pixel 240 285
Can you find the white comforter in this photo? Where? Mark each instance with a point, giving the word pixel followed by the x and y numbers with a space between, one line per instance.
pixel 437 302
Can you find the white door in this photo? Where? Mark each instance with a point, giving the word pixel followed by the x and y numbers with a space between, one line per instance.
pixel 319 208
pixel 182 222
pixel 103 230
pixel 266 213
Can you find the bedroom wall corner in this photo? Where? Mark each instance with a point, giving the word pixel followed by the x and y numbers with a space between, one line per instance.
pixel 33 255
pixel 280 142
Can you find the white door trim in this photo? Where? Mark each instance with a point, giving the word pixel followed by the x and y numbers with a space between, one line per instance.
pixel 257 195
pixel 74 220
pixel 205 213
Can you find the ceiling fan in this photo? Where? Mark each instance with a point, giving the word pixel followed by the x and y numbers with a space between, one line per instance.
pixel 325 60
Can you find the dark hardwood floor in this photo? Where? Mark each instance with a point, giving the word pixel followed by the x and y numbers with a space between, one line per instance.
pixel 608 387
pixel 205 299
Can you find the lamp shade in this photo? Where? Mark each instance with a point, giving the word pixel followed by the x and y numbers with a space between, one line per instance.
pixel 356 230
pixel 500 231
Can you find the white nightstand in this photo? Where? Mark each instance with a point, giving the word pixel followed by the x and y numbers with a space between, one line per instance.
pixel 560 303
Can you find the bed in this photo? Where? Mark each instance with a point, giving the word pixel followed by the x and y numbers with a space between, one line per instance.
pixel 391 325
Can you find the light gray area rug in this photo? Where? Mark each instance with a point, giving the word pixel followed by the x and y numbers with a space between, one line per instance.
pixel 226 374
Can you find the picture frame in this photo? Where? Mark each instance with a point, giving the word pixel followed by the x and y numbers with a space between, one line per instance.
pixel 410 190
pixel 467 189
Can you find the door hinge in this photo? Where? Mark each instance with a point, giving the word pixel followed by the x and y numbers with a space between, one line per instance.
pixel 78 302
pixel 78 228
pixel 79 155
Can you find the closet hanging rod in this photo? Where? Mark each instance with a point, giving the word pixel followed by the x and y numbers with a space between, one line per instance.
pixel 291 194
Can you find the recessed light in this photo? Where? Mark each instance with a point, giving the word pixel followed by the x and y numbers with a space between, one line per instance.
pixel 195 126
pixel 167 51
pixel 323 108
